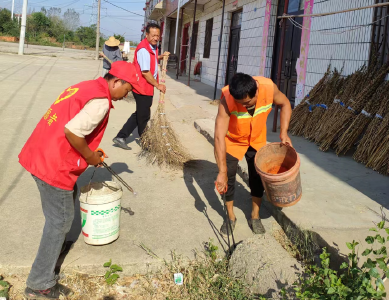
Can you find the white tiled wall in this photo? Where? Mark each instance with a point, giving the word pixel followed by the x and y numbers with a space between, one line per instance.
pixel 351 47
pixel 250 38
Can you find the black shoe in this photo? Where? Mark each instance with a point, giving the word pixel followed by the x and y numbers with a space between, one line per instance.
pixel 223 229
pixel 256 226
pixel 52 293
pixel 120 142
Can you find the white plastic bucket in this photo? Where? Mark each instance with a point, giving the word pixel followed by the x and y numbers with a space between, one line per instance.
pixel 100 212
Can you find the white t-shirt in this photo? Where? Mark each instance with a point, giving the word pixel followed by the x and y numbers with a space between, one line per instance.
pixel 89 117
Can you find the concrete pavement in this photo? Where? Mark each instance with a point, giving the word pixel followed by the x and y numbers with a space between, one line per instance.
pixel 174 211
pixel 49 51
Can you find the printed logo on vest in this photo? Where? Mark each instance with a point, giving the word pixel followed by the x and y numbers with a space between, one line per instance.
pixel 63 97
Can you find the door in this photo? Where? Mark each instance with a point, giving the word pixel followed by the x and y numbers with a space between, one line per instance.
pixel 172 35
pixel 292 43
pixel 233 51
pixel 184 47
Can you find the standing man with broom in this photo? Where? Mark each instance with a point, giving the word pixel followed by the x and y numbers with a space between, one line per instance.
pixel 146 62
pixel 112 52
pixel 240 131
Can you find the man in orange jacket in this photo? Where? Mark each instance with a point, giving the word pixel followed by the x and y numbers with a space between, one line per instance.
pixel 240 131
pixel 58 151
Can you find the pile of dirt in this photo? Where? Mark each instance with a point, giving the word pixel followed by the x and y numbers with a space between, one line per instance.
pixel 264 266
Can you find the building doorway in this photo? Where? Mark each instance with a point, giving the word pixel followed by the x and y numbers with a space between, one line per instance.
pixel 291 49
pixel 233 51
pixel 172 35
pixel 184 47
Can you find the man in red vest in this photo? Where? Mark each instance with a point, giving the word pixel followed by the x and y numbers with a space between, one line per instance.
pixel 240 131
pixel 146 62
pixel 58 151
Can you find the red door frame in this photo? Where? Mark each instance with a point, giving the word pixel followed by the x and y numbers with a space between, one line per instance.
pixel 184 46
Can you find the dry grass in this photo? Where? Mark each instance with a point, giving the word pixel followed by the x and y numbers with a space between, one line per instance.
pixel 206 278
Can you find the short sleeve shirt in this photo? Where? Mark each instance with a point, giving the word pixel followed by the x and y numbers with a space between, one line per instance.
pixel 89 117
pixel 143 57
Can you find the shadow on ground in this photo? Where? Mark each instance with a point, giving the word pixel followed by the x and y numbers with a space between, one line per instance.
pixel 203 173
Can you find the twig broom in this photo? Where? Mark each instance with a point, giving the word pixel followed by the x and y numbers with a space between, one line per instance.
pixel 160 144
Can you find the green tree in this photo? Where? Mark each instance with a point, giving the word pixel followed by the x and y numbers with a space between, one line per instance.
pixel 38 23
pixel 86 35
pixel 119 37
pixel 7 25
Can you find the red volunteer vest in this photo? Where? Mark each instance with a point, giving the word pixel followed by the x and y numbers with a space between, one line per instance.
pixel 47 154
pixel 245 130
pixel 148 89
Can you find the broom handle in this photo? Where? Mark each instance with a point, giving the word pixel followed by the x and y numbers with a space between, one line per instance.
pixel 102 54
pixel 163 78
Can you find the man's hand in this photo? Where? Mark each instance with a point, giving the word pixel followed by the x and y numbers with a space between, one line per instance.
pixel 162 88
pixel 94 159
pixel 221 182
pixel 285 139
pixel 166 53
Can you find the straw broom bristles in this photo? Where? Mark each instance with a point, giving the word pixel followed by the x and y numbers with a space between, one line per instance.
pixel 159 142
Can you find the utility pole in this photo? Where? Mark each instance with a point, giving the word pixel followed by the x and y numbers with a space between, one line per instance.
pixel 12 10
pixel 63 46
pixel 23 28
pixel 98 30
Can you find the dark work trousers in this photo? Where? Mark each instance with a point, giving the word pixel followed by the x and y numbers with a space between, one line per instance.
pixel 139 118
pixel 255 182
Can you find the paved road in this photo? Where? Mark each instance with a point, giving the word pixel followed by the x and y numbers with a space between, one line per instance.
pixel 174 209
pixel 6 47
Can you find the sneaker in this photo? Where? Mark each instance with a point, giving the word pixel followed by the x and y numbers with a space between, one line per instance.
pixel 256 226
pixel 52 293
pixel 223 229
pixel 120 142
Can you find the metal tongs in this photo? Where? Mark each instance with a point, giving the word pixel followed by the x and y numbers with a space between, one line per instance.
pixel 109 169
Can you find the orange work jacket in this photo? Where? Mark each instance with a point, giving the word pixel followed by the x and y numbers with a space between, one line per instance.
pixel 245 130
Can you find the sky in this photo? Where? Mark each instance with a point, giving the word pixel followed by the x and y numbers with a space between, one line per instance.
pixel 113 19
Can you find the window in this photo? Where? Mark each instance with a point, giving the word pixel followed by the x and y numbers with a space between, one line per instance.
pixel 380 33
pixel 208 38
pixel 194 40
pixel 295 5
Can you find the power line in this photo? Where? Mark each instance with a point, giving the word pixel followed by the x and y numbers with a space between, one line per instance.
pixel 124 9
pixel 285 16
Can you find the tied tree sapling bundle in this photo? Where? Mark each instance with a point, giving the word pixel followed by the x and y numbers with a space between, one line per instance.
pixel 361 121
pixel 345 115
pixel 159 142
pixel 379 159
pixel 325 129
pixel 369 144
pixel 331 89
pixel 299 112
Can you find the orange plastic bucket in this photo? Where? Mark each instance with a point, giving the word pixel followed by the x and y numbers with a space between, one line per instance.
pixel 279 168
